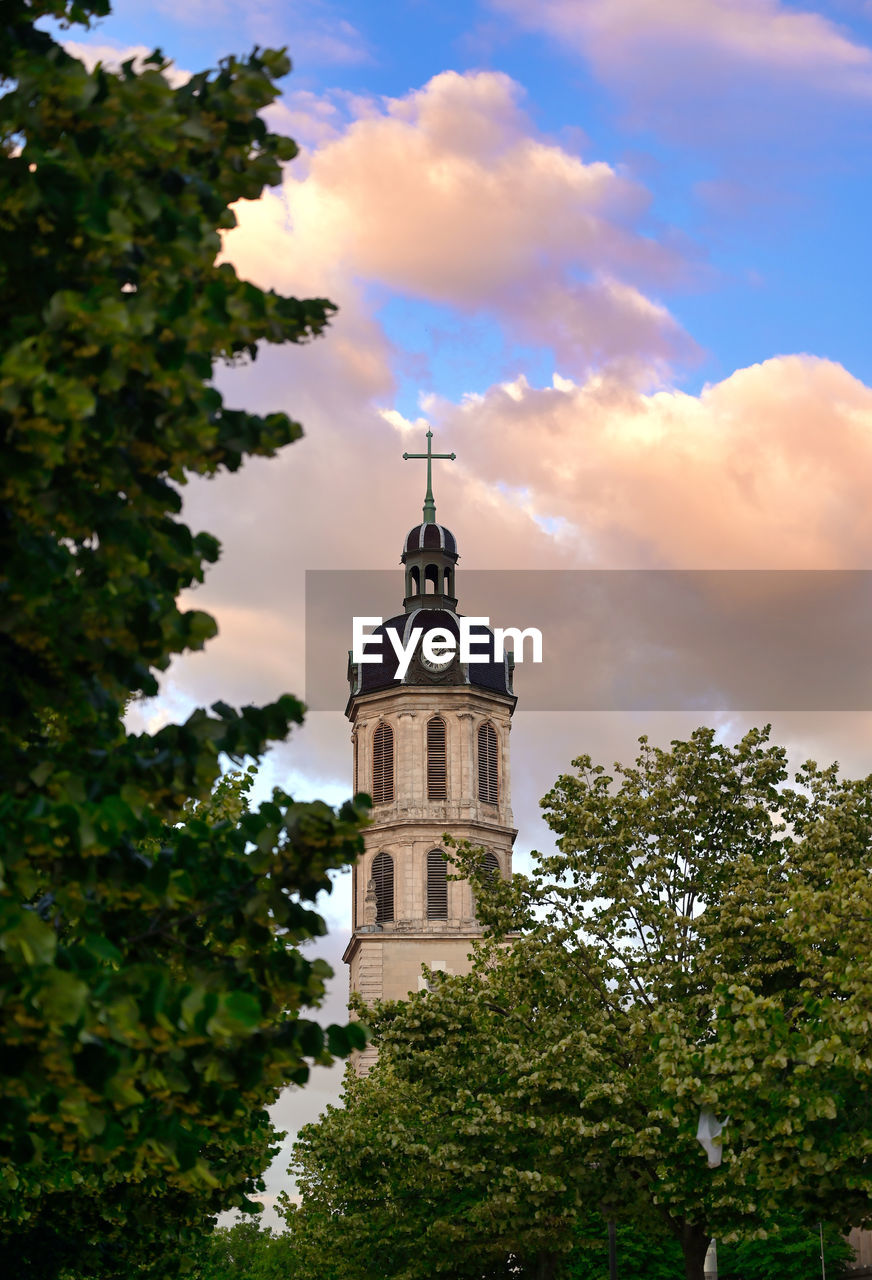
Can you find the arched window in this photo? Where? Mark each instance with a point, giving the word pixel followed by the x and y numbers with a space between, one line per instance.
pixel 383 878
pixel 414 581
pixel 383 763
pixel 431 578
pixel 437 886
pixel 488 768
pixel 437 776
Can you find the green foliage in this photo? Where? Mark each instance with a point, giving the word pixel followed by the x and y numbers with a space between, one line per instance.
pixel 243 1252
pixel 790 1057
pixel 792 1250
pixel 561 1082
pixel 654 1253
pixel 150 984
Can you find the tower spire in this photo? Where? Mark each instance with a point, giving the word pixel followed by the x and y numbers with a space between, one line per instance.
pixel 429 504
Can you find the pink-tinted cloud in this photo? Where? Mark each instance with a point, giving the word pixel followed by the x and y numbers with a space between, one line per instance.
pixel 710 71
pixel 604 323
pixel 448 195
pixel 767 468
pixel 309 118
pixel 621 36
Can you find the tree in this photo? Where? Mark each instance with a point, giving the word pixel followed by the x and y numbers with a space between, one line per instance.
pixel 150 985
pixel 565 1076
pixel 391 1186
pixel 677 895
pixel 244 1251
pixel 792 1060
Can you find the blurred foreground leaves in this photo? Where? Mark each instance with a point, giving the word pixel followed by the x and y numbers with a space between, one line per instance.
pixel 150 986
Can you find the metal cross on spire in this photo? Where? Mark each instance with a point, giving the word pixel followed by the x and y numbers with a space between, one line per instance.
pixel 429 504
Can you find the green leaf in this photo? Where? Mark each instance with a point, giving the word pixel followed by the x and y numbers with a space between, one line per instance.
pixel 27 937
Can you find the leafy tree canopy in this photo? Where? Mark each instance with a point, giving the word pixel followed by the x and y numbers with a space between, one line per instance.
pixel 150 985
pixel 566 1075
pixel 793 1058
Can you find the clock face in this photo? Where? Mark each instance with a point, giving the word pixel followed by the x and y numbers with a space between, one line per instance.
pixel 439 665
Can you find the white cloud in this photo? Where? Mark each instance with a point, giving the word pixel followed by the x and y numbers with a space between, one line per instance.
pixel 113 56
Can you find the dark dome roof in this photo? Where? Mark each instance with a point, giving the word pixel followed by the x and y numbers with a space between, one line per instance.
pixel 430 537
pixel 486 673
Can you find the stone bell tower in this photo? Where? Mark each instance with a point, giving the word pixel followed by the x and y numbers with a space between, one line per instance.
pixel 432 749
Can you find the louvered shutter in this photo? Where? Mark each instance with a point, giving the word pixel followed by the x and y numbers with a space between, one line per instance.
pixel 437 886
pixel 383 878
pixel 491 864
pixel 491 868
pixel 437 778
pixel 383 764
pixel 488 769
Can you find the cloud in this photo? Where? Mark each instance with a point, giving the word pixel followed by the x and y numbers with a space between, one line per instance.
pixel 764 469
pixel 619 35
pixel 333 41
pixel 448 195
pixel 605 323
pixel 113 56
pixel 703 68
pixel 320 36
pixel 309 118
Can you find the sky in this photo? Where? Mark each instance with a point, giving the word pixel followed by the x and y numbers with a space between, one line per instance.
pixel 616 253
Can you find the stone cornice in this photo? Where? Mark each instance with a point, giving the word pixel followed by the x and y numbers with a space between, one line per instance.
pixel 359 937
pixel 427 820
pixel 425 699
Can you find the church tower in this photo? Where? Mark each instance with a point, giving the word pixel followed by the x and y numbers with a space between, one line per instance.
pixel 432 749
